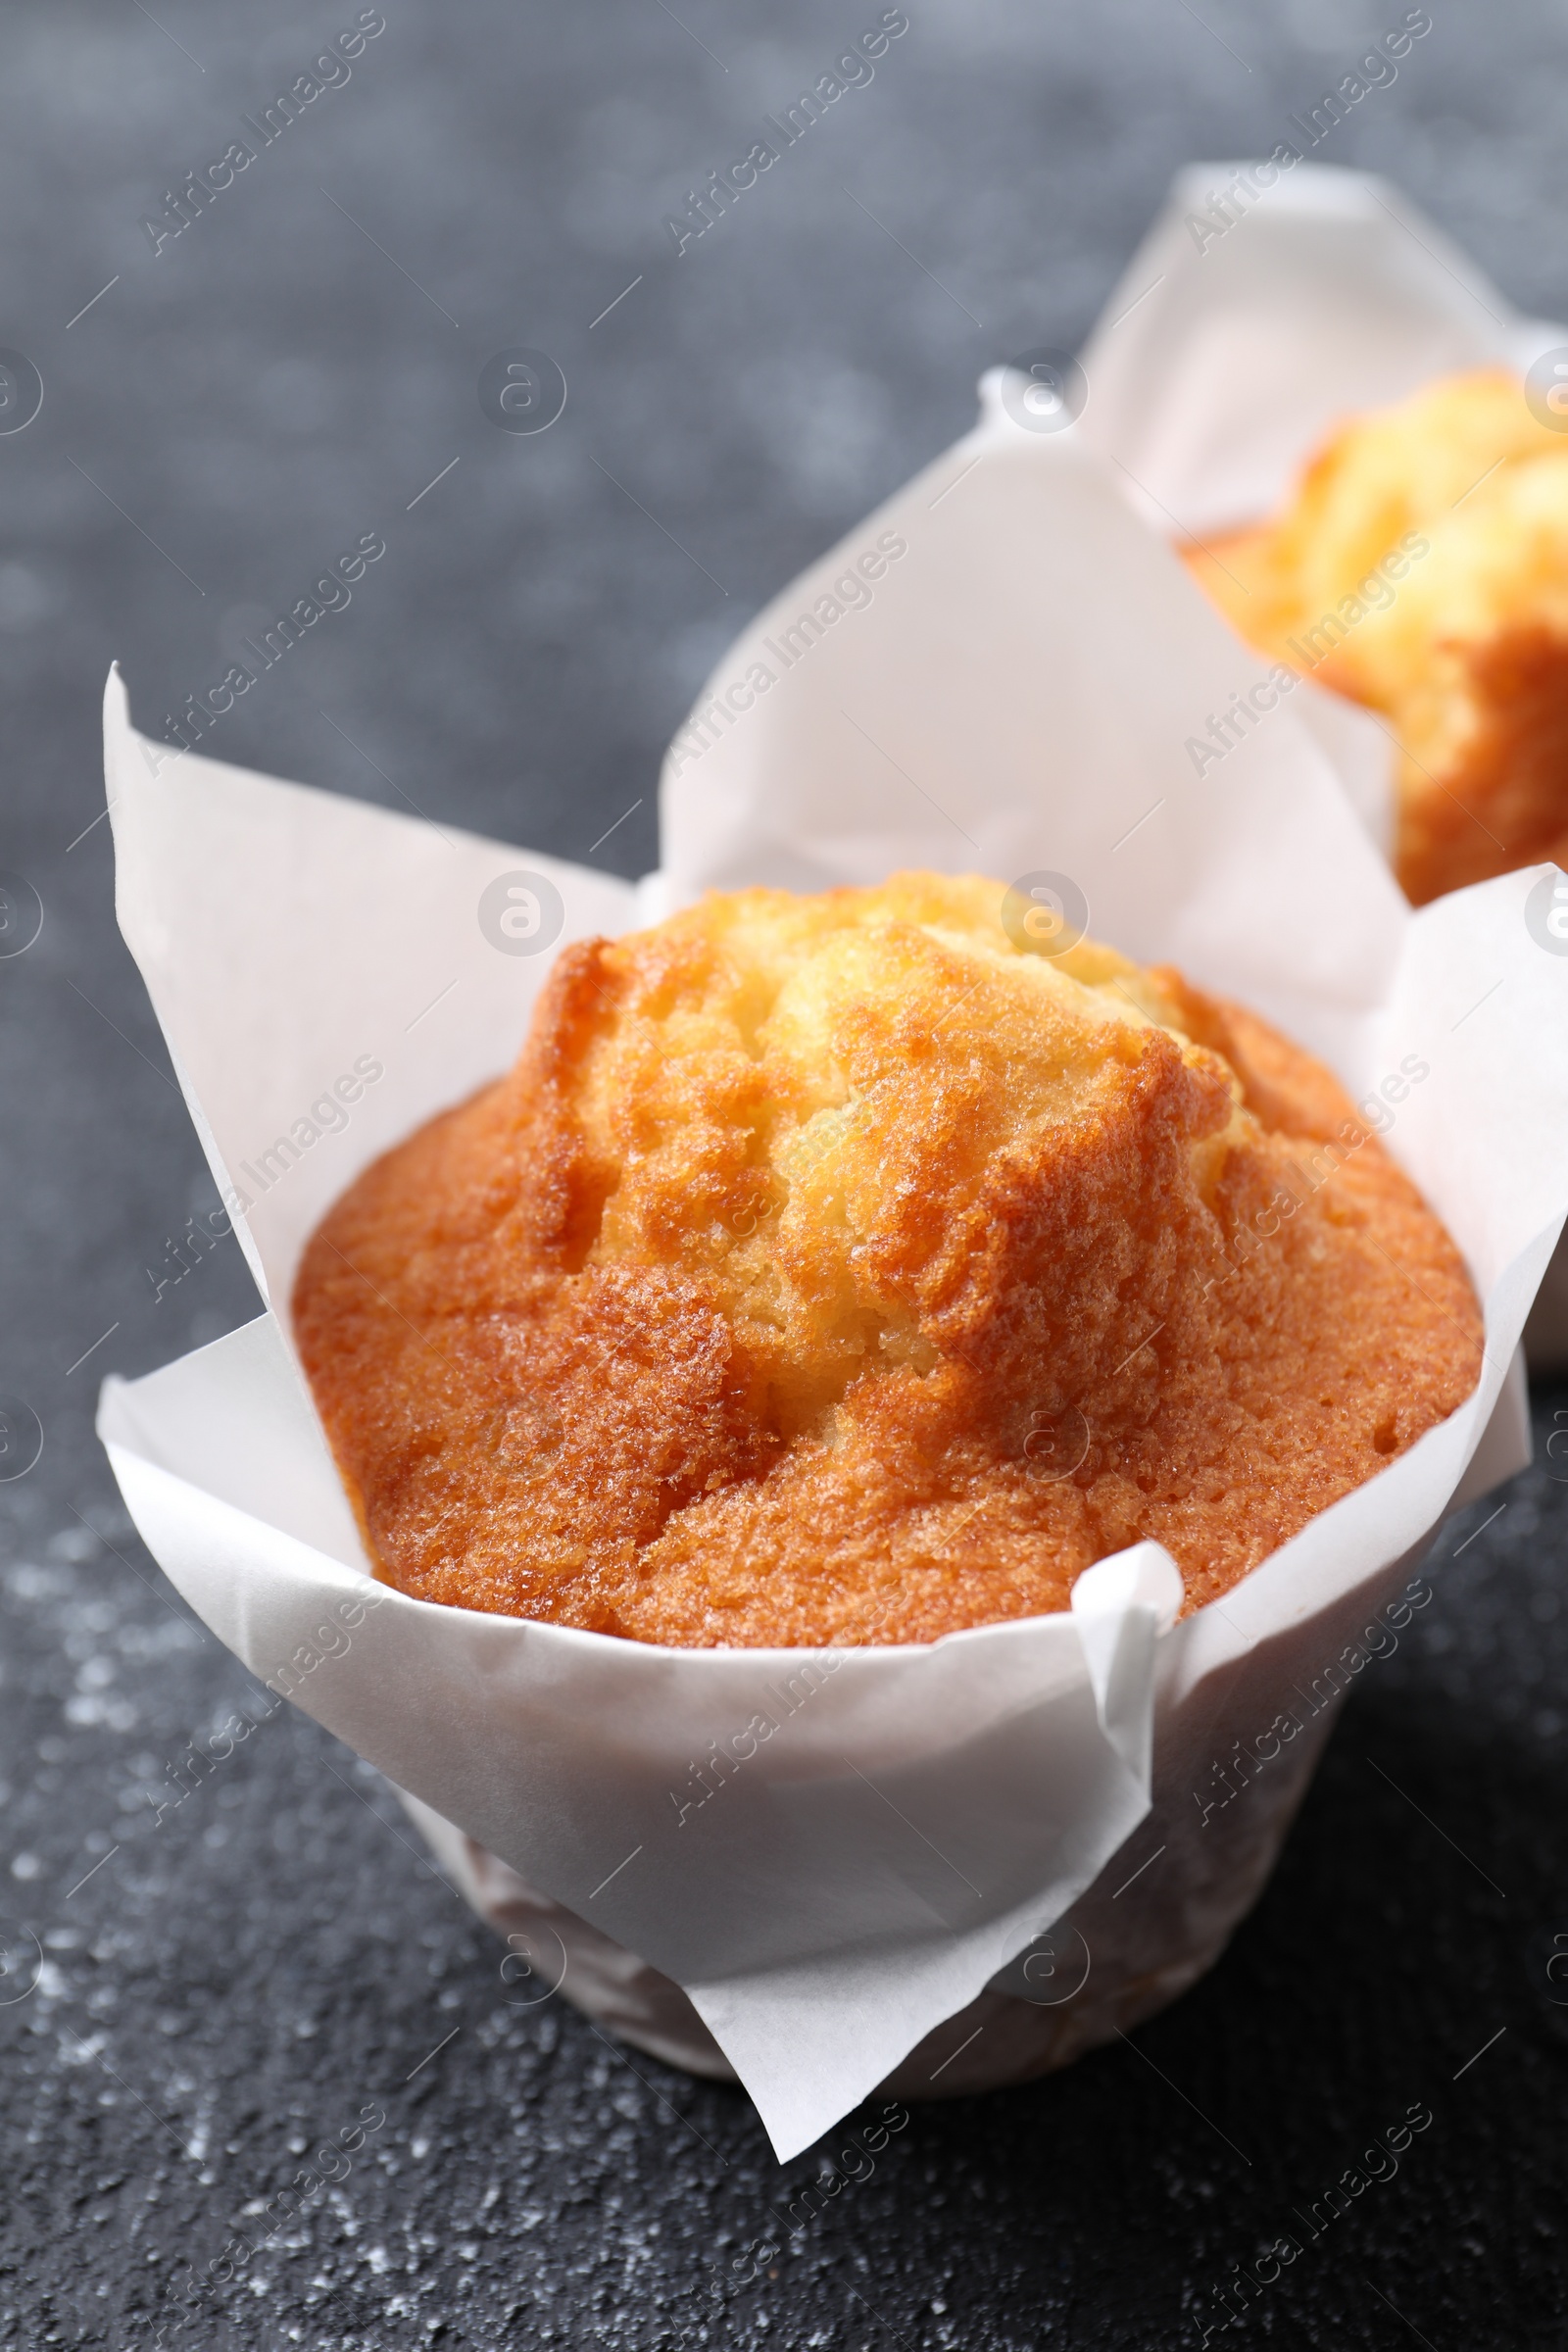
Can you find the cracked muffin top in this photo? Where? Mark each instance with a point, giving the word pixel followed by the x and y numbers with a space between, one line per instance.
pixel 831 1269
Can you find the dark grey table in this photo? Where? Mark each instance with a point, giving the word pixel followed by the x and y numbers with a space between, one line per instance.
pixel 225 410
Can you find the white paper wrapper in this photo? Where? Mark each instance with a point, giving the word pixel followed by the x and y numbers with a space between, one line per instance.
pixel 1226 353
pixel 1014 695
pixel 1221 360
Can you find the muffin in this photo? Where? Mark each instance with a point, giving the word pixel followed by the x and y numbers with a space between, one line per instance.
pixel 836 1269
pixel 1421 568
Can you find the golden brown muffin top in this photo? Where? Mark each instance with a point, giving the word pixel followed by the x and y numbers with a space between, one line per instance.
pixel 828 1269
pixel 1421 567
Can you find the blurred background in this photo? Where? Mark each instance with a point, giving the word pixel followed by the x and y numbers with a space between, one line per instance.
pixel 188 2004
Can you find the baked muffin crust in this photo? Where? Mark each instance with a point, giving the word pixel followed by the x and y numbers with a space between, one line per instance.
pixel 829 1270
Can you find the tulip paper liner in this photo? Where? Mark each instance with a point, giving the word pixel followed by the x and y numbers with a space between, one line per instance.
pixel 1227 351
pixel 1002 673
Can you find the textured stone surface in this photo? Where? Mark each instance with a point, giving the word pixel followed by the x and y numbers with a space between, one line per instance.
pixel 241 1980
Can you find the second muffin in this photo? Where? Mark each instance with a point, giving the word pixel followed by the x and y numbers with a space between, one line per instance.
pixel 1421 567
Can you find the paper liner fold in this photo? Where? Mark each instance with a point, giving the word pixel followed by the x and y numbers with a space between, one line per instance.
pixel 1221 360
